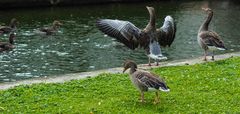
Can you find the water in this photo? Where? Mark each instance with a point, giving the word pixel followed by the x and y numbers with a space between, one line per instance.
pixel 80 46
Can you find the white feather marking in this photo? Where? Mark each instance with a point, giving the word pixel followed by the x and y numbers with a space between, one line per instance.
pixel 168 18
pixel 157 57
pixel 152 89
pixel 221 49
pixel 168 90
pixel 215 48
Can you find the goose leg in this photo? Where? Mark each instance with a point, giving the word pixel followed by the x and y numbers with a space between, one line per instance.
pixel 156 101
pixel 149 61
pixel 142 97
pixel 212 55
pixel 157 62
pixel 205 55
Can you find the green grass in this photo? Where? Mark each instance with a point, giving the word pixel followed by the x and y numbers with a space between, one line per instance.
pixel 208 88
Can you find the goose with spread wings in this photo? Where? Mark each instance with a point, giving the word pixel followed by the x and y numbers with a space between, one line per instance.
pixel 149 38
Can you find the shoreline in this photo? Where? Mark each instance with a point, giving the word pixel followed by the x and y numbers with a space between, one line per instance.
pixel 82 75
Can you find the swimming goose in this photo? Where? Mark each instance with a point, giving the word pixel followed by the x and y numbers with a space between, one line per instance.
pixel 5 46
pixel 145 81
pixel 12 27
pixel 49 30
pixel 149 38
pixel 209 40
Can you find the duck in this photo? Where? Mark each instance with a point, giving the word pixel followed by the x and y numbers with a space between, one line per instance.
pixel 150 38
pixel 145 81
pixel 6 46
pixel 11 28
pixel 209 40
pixel 49 30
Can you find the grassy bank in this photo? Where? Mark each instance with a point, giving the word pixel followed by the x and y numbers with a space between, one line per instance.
pixel 209 88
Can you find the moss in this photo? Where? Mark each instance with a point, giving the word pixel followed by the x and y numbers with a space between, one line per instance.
pixel 208 88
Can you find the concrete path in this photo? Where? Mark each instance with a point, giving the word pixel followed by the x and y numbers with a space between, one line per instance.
pixel 76 76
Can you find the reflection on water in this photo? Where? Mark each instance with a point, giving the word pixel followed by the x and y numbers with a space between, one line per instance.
pixel 79 46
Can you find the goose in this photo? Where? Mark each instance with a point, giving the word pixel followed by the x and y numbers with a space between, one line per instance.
pixel 145 81
pixel 49 30
pixel 11 28
pixel 209 40
pixel 5 46
pixel 149 38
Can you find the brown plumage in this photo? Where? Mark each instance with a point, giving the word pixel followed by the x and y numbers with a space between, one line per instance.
pixel 5 46
pixel 145 81
pixel 50 30
pixel 149 38
pixel 166 34
pixel 11 28
pixel 209 40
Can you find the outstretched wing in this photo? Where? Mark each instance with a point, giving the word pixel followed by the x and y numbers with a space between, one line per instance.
pixel 211 38
pixel 166 34
pixel 124 31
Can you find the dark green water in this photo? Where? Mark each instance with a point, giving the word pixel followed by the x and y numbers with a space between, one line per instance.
pixel 80 47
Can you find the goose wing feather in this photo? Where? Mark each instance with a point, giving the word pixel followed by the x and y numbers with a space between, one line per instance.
pixel 211 38
pixel 166 34
pixel 124 31
pixel 149 80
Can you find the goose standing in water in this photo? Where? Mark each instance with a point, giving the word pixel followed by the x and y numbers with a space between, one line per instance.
pixel 11 28
pixel 145 81
pixel 209 40
pixel 49 30
pixel 5 46
pixel 148 38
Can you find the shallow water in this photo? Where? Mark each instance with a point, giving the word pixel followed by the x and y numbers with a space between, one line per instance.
pixel 79 46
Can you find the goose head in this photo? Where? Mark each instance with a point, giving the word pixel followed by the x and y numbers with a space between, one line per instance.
pixel 129 64
pixel 14 22
pixel 208 10
pixel 57 23
pixel 150 9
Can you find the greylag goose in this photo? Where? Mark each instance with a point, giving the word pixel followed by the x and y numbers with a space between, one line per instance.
pixel 149 38
pixel 11 28
pixel 49 30
pixel 209 40
pixel 145 81
pixel 5 46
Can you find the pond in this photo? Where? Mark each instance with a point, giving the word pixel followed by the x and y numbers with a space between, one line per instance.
pixel 79 46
